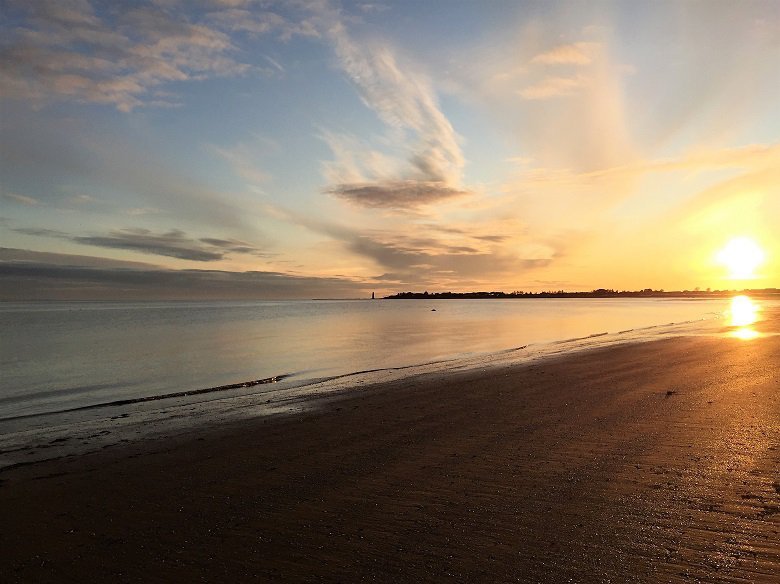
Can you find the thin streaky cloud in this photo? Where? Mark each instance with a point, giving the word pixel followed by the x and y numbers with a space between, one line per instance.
pixel 174 243
pixel 40 232
pixel 20 199
pixel 553 87
pixel 573 54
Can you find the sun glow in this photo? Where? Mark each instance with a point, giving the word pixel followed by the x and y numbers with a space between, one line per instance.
pixel 741 256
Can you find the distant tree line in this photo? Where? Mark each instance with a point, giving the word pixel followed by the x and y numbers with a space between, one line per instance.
pixel 597 293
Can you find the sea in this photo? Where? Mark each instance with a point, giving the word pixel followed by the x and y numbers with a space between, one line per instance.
pixel 68 356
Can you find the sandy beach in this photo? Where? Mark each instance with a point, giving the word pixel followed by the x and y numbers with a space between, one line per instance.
pixel 649 462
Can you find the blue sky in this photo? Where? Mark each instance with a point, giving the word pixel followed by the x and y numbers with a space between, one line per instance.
pixel 323 148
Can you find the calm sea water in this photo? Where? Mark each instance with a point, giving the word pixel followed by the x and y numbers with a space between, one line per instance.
pixel 58 356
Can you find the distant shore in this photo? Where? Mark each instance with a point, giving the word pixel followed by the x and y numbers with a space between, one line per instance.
pixel 648 462
pixel 767 293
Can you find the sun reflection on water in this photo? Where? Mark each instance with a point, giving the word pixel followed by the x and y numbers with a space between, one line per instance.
pixel 743 313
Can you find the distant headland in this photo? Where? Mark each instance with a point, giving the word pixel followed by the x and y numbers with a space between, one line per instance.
pixel 598 293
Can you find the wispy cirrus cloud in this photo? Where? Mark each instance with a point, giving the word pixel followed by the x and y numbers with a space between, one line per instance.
pixel 405 101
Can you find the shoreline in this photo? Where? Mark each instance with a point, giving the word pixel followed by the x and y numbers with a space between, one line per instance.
pixel 38 383
pixel 30 438
pixel 642 462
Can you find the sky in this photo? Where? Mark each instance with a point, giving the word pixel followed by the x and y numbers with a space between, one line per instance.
pixel 323 149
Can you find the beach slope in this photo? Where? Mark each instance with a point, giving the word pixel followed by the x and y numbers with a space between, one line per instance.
pixel 649 462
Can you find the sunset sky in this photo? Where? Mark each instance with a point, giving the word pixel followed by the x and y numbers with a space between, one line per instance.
pixel 239 148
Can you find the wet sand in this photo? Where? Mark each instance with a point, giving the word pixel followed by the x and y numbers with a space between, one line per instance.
pixel 651 462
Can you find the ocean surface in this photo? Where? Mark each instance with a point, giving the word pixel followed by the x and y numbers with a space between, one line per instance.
pixel 61 356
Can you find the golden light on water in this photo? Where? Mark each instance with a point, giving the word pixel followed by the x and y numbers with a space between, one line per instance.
pixel 741 256
pixel 743 313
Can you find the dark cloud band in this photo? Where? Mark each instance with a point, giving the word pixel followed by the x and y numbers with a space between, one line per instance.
pixel 46 281
pixel 402 194
pixel 174 243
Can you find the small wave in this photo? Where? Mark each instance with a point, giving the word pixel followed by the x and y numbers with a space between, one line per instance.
pixel 70 391
pixel 150 398
pixel 318 380
pixel 575 339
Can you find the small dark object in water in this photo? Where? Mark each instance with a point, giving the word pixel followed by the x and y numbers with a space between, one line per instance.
pixel 433 310
pixel 670 392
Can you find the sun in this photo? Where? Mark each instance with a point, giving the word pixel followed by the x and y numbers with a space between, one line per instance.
pixel 741 256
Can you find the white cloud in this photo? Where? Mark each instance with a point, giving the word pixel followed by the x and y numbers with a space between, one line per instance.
pixel 64 50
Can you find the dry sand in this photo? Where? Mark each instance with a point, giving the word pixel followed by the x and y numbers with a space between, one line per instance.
pixel 652 462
